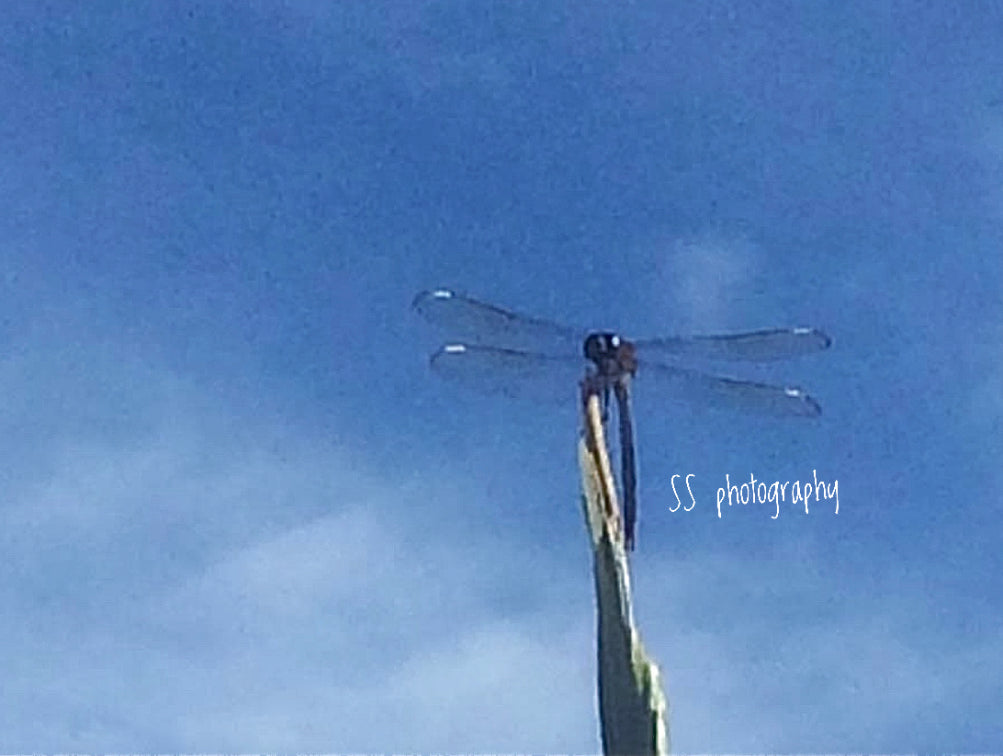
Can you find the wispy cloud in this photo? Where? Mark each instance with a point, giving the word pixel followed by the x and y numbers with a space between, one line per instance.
pixel 744 642
pixel 209 580
pixel 703 282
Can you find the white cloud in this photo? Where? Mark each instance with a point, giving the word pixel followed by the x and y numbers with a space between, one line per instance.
pixel 205 581
pixel 776 654
pixel 703 282
pixel 353 636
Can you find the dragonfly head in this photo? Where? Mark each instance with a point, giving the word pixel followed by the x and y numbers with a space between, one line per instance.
pixel 610 353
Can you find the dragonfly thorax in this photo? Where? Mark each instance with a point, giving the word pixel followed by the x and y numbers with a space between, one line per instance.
pixel 611 354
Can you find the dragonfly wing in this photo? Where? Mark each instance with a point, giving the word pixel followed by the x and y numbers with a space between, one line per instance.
pixel 755 346
pixel 717 391
pixel 510 373
pixel 471 321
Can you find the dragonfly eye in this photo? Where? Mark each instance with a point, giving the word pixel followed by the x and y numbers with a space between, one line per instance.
pixel 598 346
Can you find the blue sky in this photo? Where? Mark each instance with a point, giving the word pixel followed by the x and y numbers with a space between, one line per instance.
pixel 240 514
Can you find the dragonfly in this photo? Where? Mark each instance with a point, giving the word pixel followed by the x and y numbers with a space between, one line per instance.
pixel 500 351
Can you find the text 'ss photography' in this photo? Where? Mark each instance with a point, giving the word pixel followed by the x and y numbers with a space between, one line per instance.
pixel 760 492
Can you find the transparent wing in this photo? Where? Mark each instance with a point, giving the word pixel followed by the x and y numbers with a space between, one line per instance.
pixel 755 346
pixel 473 322
pixel 746 396
pixel 510 373
pixel 523 375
